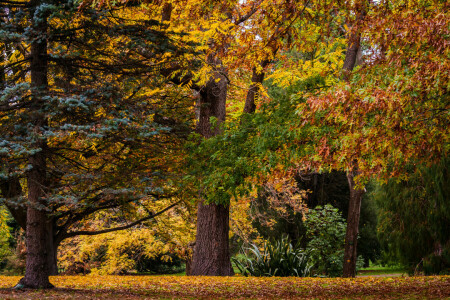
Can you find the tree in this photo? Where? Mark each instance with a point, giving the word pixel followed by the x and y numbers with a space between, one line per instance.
pixel 377 132
pixel 413 219
pixel 219 27
pixel 82 145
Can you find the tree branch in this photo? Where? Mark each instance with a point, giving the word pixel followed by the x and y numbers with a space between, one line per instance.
pixel 75 233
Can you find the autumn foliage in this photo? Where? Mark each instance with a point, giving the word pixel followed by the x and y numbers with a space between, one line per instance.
pixel 137 287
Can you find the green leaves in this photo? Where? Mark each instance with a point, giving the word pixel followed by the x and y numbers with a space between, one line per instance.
pixel 278 258
pixel 325 230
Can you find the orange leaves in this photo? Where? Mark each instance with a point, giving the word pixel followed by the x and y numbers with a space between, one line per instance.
pixel 394 111
pixel 136 287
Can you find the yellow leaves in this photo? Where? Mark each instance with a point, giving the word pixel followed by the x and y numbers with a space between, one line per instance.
pixel 237 287
pixel 4 228
pixel 100 113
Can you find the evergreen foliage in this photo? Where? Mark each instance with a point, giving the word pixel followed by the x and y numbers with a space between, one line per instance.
pixel 414 219
pixel 101 130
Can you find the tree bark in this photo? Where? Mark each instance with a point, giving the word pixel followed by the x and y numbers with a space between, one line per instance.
pixel 39 231
pixel 253 91
pixel 11 190
pixel 351 235
pixel 211 252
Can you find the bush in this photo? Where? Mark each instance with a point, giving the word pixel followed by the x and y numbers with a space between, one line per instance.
pixel 438 263
pixel 325 230
pixel 278 258
pixel 161 264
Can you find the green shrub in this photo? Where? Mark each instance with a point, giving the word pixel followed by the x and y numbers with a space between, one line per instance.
pixel 325 230
pixel 278 258
pixel 438 263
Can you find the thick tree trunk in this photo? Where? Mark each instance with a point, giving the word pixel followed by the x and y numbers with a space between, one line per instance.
pixel 211 253
pixel 11 190
pixel 39 231
pixel 351 236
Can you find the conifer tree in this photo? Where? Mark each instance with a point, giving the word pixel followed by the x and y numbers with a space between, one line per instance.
pixel 79 126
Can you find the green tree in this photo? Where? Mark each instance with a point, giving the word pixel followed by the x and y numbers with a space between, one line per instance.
pixel 77 120
pixel 414 219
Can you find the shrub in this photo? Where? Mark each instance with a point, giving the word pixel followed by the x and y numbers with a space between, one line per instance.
pixel 325 230
pixel 278 258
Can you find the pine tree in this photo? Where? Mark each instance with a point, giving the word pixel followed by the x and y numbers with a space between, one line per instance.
pixel 77 119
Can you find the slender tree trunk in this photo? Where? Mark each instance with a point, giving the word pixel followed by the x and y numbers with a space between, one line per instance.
pixel 354 205
pixel 253 91
pixel 52 246
pixel 211 252
pixel 351 236
pixel 39 226
pixel 53 260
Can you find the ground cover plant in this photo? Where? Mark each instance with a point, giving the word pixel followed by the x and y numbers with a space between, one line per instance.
pixel 154 287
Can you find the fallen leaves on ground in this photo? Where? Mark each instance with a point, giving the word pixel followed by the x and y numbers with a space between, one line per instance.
pixel 198 287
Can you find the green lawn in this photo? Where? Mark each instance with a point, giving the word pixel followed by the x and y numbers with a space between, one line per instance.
pixel 382 270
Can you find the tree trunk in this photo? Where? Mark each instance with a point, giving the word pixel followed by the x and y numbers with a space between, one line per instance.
pixel 11 190
pixel 211 252
pixel 252 94
pixel 39 231
pixel 52 246
pixel 354 205
pixel 351 236
pixel 253 91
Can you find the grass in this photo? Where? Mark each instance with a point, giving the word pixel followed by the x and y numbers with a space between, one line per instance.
pixel 378 270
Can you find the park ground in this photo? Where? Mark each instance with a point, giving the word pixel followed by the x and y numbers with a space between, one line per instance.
pixel 237 287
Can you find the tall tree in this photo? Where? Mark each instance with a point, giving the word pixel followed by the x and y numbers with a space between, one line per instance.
pixel 414 218
pixel 356 192
pixel 374 112
pixel 82 145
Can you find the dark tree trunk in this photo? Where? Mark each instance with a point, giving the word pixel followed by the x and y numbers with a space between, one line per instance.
pixel 11 190
pixel 351 236
pixel 354 205
pixel 213 98
pixel 253 91
pixel 211 252
pixel 52 246
pixel 39 231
